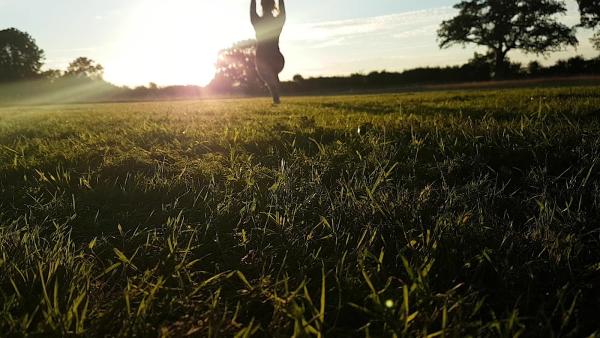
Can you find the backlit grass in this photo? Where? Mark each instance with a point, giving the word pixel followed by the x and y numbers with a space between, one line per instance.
pixel 448 215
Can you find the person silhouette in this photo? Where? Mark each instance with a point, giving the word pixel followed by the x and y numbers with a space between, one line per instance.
pixel 268 27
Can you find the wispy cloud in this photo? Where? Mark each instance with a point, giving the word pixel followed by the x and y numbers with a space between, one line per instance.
pixel 393 26
pixel 393 42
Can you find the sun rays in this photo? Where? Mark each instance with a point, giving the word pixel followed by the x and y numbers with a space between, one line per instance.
pixel 173 42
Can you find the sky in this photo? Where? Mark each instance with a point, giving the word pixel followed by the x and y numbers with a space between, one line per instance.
pixel 173 42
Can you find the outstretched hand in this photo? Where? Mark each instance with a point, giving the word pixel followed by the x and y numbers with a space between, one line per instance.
pixel 253 12
pixel 282 9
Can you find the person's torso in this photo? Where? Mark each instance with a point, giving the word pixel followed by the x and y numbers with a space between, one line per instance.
pixel 268 30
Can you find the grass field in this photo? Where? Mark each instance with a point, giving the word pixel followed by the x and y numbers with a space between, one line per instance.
pixel 449 214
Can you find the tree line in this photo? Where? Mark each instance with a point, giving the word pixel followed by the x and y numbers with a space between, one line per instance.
pixel 500 26
pixel 22 59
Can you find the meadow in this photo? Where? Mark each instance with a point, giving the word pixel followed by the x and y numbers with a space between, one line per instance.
pixel 441 214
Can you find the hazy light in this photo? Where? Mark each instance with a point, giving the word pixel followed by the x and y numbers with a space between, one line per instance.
pixel 173 42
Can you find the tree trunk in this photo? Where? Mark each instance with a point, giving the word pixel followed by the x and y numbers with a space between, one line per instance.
pixel 500 64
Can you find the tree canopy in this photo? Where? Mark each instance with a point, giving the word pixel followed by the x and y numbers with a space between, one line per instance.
pixel 590 12
pixel 590 17
pixel 236 70
pixel 83 67
pixel 20 57
pixel 504 25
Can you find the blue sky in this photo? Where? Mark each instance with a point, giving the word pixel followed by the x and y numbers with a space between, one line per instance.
pixel 176 41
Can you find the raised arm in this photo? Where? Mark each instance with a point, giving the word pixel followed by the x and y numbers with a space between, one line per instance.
pixel 253 12
pixel 282 13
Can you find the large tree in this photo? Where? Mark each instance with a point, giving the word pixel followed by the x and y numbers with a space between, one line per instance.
pixel 236 70
pixel 20 57
pixel 85 68
pixel 504 25
pixel 590 17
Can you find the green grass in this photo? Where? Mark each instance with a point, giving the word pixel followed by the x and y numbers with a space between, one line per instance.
pixel 449 215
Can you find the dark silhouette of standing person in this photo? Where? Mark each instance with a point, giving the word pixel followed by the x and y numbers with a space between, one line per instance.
pixel 268 27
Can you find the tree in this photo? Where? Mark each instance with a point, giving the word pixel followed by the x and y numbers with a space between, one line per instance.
pixel 236 70
pixel 590 12
pixel 85 68
pixel 534 68
pixel 20 57
pixel 504 25
pixel 298 78
pixel 590 17
pixel 51 74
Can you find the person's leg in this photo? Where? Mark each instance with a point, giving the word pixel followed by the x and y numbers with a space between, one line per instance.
pixel 277 67
pixel 270 78
pixel 275 89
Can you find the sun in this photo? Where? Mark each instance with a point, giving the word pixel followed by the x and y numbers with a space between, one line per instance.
pixel 172 42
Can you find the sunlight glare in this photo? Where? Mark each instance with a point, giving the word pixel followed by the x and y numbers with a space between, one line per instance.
pixel 173 42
